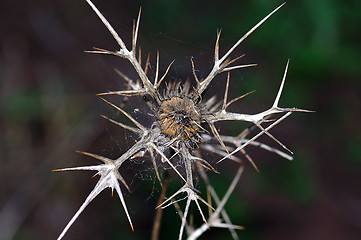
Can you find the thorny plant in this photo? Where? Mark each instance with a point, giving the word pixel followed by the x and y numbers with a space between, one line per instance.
pixel 183 129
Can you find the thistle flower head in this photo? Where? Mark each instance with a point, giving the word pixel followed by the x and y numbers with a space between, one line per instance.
pixel 184 124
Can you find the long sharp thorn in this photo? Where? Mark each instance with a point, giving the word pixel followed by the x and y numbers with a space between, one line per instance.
pixel 162 155
pixel 155 166
pixel 274 139
pixel 101 158
pixel 120 178
pixel 250 160
pixel 165 74
pixel 200 211
pixel 139 56
pixel 237 98
pixel 216 135
pixel 127 93
pixel 238 67
pixel 156 70
pixel 126 114
pixel 235 59
pixel 147 64
pixel 249 32
pixel 117 188
pixel 126 78
pixel 135 32
pixel 107 25
pixel 93 194
pixel 226 92
pixel 184 220
pixel 194 72
pixel 275 104
pixel 170 199
pixel 216 48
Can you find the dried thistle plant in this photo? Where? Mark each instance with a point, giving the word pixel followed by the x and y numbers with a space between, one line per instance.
pixel 183 129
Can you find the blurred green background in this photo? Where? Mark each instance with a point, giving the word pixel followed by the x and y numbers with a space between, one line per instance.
pixel 49 110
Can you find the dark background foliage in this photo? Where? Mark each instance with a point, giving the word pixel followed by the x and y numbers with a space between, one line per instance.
pixel 49 110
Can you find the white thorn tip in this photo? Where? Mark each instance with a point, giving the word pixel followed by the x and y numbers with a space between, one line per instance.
pixel 275 104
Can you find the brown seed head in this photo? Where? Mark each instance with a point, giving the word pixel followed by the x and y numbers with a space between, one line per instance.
pixel 179 117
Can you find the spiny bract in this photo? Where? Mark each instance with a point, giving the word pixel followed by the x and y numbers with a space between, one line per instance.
pixel 183 125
